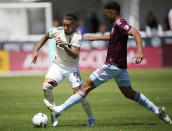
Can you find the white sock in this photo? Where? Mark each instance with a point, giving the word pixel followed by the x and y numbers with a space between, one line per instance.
pixel 142 100
pixel 74 99
pixel 48 95
pixel 87 107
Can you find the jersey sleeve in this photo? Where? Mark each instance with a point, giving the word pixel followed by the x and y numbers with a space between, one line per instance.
pixel 54 32
pixel 77 39
pixel 125 26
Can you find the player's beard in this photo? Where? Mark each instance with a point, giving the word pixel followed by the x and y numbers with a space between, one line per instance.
pixel 111 19
pixel 68 33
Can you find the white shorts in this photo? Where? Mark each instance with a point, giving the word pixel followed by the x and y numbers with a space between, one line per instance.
pixel 58 73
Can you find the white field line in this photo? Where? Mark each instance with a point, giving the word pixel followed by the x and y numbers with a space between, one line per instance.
pixel 22 73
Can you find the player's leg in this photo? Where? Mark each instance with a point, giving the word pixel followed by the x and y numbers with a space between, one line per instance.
pixel 52 78
pixel 74 78
pixel 48 97
pixel 125 87
pixel 74 99
pixel 128 92
pixel 87 108
pixel 97 78
pixel 145 102
pixel 47 88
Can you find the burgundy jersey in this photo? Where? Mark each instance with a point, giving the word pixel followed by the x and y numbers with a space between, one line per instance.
pixel 117 46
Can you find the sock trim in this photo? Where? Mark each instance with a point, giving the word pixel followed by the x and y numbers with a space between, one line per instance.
pixel 81 93
pixel 136 97
pixel 47 86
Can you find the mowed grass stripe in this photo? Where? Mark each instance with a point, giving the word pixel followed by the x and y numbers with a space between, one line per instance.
pixel 22 97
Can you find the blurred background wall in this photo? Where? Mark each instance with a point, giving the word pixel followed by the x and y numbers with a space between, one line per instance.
pixel 23 22
pixel 134 11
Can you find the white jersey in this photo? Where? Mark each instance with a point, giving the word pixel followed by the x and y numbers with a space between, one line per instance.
pixel 61 56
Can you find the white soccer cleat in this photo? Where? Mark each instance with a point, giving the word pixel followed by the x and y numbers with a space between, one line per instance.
pixel 163 115
pixel 54 119
pixel 56 110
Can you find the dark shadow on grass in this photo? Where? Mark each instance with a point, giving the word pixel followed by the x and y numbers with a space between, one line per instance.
pixel 78 125
pixel 112 124
pixel 131 124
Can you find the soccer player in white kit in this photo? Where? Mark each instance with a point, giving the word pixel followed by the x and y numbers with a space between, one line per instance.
pixel 65 64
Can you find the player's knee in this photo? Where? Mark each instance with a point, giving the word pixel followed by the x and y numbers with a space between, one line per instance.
pixel 47 86
pixel 85 102
pixel 75 90
pixel 88 86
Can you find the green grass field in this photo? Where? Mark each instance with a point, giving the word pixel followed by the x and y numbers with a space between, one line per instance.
pixel 22 97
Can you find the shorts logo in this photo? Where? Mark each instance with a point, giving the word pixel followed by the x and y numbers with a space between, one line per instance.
pixel 101 70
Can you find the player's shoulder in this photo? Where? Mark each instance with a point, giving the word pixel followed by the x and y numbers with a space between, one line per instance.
pixel 60 28
pixel 56 29
pixel 120 22
pixel 77 33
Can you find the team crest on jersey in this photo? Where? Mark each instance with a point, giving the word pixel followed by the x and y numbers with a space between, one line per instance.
pixel 126 27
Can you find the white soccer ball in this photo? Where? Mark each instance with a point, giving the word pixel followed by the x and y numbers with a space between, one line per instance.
pixel 40 120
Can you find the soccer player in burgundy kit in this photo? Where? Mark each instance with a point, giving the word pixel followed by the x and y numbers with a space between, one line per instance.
pixel 115 66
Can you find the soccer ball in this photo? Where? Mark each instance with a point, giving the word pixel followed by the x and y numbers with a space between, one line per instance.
pixel 40 120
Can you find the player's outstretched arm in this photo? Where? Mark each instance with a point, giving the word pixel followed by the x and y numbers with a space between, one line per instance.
pixel 40 44
pixel 90 37
pixel 139 56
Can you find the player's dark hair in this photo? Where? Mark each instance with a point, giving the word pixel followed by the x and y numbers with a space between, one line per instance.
pixel 71 17
pixel 113 6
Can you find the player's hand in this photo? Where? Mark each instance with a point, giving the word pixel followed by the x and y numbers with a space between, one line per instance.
pixel 138 58
pixel 60 43
pixel 89 37
pixel 34 57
